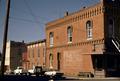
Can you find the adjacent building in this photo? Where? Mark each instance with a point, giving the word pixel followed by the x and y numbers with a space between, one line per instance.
pixel 86 41
pixel 13 57
pixel 0 58
pixel 35 54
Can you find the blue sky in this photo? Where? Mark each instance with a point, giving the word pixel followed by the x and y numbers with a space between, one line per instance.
pixel 28 17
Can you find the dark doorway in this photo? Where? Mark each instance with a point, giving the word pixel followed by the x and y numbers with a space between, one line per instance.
pixel 107 63
pixel 113 66
pixel 98 62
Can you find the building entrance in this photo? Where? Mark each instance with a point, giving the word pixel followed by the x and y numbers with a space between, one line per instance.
pixel 106 65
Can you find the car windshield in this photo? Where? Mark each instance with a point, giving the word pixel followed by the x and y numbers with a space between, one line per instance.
pixel 20 68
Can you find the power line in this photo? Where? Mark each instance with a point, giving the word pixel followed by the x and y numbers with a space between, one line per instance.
pixel 0 0
pixel 30 10
pixel 31 13
pixel 0 5
pixel 24 20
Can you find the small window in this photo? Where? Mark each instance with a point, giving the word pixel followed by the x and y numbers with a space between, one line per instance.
pixel 51 38
pixel 89 29
pixel 69 34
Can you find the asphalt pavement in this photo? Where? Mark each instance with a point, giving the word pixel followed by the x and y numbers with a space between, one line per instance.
pixel 45 78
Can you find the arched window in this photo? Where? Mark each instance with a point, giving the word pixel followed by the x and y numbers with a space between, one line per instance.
pixel 89 29
pixel 51 35
pixel 51 60
pixel 69 34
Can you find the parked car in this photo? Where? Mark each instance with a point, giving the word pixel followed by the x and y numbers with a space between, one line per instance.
pixel 37 70
pixel 53 73
pixel 18 71
pixel 31 71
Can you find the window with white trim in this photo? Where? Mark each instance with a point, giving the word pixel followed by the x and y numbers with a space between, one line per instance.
pixel 89 29
pixel 51 35
pixel 69 34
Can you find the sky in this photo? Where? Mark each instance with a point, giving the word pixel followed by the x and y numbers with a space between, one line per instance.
pixel 28 17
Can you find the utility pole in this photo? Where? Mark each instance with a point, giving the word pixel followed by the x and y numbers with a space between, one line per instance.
pixel 5 38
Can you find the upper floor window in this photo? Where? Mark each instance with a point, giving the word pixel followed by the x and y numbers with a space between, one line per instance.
pixel 51 35
pixel 69 34
pixel 89 29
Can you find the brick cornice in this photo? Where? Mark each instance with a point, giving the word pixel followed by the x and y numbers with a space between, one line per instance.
pixel 76 16
pixel 98 41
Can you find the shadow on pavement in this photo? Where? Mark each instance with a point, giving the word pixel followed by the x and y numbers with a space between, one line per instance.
pixel 23 78
pixel 30 78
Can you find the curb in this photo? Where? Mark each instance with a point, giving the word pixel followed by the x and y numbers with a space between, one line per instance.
pixel 111 78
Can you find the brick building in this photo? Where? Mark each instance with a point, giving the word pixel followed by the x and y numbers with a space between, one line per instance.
pixel 35 54
pixel 86 41
pixel 13 57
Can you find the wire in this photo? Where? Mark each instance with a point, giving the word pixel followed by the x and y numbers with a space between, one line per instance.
pixel 30 10
pixel 0 1
pixel 0 5
pixel 25 20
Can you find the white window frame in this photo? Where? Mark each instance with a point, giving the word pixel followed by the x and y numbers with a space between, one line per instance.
pixel 89 30
pixel 51 36
pixel 69 34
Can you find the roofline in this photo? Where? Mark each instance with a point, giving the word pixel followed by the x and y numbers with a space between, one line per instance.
pixel 73 13
pixel 35 42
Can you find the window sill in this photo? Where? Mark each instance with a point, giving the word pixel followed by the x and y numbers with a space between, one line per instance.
pixel 69 42
pixel 51 45
pixel 89 38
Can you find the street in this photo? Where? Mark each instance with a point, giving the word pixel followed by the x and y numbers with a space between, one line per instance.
pixel 44 78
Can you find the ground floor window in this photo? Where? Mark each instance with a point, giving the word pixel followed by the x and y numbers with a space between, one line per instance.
pixel 51 60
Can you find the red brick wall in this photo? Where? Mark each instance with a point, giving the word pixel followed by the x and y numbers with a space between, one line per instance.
pixel 76 57
pixel 33 58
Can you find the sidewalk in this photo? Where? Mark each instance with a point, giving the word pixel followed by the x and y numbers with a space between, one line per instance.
pixel 80 78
